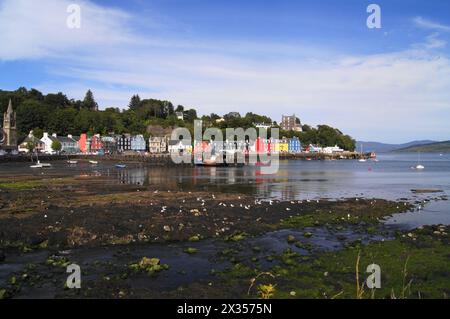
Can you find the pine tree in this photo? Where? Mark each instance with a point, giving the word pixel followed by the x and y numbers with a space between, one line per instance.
pixel 135 102
pixel 89 101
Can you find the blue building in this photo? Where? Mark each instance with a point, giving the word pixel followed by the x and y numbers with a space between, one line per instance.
pixel 138 143
pixel 295 146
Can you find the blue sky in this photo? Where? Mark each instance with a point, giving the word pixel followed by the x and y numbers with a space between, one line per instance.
pixel 316 59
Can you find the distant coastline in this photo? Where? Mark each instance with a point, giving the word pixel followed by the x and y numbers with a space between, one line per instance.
pixel 438 147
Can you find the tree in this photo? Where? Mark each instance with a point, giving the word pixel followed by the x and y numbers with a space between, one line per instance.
pixel 190 115
pixel 89 101
pixel 135 102
pixel 31 146
pixel 56 146
pixel 57 100
pixel 31 114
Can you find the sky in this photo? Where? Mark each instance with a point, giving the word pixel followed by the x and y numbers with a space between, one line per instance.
pixel 317 59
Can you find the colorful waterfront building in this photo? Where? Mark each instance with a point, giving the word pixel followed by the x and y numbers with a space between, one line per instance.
pixel 84 143
pixel 96 144
pixel 260 145
pixel 48 141
pixel 314 149
pixel 109 144
pixel 180 146
pixel 283 146
pixel 124 143
pixel 295 146
pixel 138 143
pixel 158 145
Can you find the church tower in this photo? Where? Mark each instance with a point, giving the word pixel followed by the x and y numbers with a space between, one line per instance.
pixel 9 127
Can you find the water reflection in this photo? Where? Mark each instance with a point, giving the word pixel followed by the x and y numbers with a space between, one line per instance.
pixel 390 178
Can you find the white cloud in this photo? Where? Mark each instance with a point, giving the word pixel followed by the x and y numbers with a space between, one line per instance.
pixel 37 29
pixel 428 24
pixel 400 95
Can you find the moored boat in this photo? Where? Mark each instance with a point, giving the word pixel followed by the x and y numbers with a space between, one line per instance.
pixel 41 165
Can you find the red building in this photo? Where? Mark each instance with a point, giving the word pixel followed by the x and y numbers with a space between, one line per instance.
pixel 96 144
pixel 83 143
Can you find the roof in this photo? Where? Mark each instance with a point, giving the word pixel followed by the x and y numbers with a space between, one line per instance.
pixel 32 139
pixel 64 139
pixel 52 138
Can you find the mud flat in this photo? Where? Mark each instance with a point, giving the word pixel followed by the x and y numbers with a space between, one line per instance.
pixel 144 242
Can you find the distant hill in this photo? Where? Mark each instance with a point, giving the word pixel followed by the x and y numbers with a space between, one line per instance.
pixel 438 147
pixel 386 148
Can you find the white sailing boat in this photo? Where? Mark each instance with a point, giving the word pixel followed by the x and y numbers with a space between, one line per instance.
pixel 419 166
pixel 362 159
pixel 39 164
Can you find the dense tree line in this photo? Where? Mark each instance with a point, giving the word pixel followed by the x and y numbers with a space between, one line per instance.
pixel 323 135
pixel 56 113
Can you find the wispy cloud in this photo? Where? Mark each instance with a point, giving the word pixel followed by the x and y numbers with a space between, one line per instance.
pixel 429 24
pixel 38 29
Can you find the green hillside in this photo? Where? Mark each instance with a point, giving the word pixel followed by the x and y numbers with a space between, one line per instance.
pixel 440 147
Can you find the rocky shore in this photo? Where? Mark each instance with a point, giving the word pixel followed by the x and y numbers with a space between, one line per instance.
pixel 139 241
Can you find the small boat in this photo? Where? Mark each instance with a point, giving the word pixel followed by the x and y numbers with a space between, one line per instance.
pixel 362 159
pixel 419 166
pixel 72 162
pixel 41 165
pixel 93 162
pixel 121 166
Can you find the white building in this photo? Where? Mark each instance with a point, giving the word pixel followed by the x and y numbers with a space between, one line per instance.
pixel 158 145
pixel 180 115
pixel 48 142
pixel 332 150
pixel 179 147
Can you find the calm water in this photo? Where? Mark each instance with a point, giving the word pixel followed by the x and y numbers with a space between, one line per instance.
pixel 390 178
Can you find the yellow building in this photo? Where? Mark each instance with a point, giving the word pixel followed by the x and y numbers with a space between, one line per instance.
pixel 283 147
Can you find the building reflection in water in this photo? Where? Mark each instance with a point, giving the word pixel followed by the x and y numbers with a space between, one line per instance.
pixel 285 185
pixel 133 176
